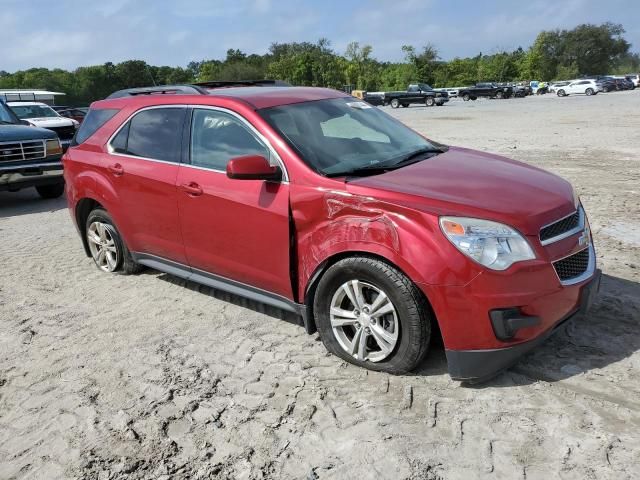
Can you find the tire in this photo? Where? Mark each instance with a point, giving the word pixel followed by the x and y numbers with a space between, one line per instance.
pixel 405 105
pixel 430 102
pixel 588 92
pixel 499 94
pixel 117 258
pixel 474 98
pixel 404 331
pixel 50 191
pixel 395 103
pixel 466 97
pixel 561 93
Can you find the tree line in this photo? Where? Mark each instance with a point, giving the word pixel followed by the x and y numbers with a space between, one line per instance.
pixel 558 54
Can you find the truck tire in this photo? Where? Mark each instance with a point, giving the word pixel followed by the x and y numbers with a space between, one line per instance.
pixel 474 98
pixel 395 103
pixel 50 191
pixel 405 105
pixel 499 94
pixel 430 102
pixel 466 97
pixel 370 314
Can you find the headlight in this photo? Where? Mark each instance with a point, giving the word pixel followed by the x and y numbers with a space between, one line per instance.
pixel 492 244
pixel 54 147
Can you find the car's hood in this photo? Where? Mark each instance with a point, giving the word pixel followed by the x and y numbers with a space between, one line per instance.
pixel 470 183
pixel 48 122
pixel 15 133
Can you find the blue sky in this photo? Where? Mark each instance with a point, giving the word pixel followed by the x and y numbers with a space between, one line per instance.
pixel 72 33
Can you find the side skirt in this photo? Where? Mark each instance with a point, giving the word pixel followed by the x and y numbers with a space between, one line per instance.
pixel 224 284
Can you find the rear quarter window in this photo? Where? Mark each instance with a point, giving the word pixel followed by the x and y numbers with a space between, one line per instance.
pixel 92 122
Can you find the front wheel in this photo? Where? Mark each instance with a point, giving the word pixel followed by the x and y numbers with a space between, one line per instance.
pixel 107 248
pixel 499 94
pixel 561 93
pixel 466 97
pixel 370 314
pixel 589 91
pixel 50 191
pixel 395 103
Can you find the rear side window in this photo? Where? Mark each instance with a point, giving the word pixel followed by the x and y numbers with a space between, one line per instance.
pixel 154 134
pixel 92 122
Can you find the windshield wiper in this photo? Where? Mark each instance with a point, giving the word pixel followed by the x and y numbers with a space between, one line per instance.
pixel 4 122
pixel 382 167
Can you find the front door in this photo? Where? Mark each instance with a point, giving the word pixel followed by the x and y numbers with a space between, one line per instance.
pixel 237 229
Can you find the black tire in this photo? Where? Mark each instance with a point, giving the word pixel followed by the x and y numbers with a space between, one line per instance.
pixel 50 191
pixel 430 101
pixel 412 312
pixel 474 98
pixel 588 92
pixel 499 94
pixel 561 93
pixel 395 103
pixel 466 97
pixel 124 264
pixel 405 105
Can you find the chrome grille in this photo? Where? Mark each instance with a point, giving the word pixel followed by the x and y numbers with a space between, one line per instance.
pixel 562 228
pixel 572 266
pixel 19 151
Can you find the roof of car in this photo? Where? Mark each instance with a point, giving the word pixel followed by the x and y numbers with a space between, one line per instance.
pixel 256 97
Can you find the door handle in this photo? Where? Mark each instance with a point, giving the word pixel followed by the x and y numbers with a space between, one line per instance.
pixel 116 169
pixel 192 188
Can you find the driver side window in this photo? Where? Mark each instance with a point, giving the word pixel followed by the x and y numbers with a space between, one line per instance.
pixel 217 137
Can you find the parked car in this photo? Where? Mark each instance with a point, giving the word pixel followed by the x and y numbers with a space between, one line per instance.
pixel 73 113
pixel 633 78
pixel 579 87
pixel 607 84
pixel 42 115
pixel 416 93
pixel 488 90
pixel 555 86
pixel 29 157
pixel 318 203
pixel 451 92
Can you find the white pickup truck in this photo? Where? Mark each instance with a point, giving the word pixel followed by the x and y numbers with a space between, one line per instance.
pixel 42 115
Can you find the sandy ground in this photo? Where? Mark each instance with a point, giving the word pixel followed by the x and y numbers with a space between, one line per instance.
pixel 147 376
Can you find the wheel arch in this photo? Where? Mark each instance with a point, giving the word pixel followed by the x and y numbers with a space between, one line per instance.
pixel 84 207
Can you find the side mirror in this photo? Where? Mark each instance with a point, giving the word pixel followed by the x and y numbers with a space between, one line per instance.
pixel 253 167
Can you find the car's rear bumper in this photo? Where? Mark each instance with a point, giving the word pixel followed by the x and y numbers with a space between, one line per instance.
pixel 475 366
pixel 16 177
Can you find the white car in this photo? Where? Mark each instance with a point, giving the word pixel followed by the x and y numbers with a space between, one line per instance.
pixel 554 87
pixel 635 78
pixel 579 87
pixel 42 115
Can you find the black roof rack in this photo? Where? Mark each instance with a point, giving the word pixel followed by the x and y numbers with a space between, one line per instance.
pixel 160 90
pixel 243 83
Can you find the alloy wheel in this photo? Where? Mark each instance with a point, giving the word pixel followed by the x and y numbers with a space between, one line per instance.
pixel 364 321
pixel 102 246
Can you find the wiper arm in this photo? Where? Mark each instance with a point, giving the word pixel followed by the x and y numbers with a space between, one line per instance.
pixel 4 122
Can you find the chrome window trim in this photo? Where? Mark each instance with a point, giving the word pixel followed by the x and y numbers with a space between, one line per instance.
pixel 568 233
pixel 588 273
pixel 244 121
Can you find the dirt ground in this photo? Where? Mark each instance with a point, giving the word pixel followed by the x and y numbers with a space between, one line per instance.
pixel 107 376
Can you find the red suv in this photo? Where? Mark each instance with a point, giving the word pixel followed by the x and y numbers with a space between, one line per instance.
pixel 316 202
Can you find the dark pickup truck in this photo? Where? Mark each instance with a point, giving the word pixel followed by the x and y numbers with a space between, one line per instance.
pixel 416 93
pixel 29 157
pixel 489 90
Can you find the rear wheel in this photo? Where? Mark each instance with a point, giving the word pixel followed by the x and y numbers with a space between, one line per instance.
pixel 50 191
pixel 499 94
pixel 395 103
pixel 107 248
pixel 430 102
pixel 370 314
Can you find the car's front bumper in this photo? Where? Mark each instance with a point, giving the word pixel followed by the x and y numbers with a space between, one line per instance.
pixel 475 366
pixel 17 177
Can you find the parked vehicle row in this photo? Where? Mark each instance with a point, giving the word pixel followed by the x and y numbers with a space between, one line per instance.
pixel 416 93
pixel 487 90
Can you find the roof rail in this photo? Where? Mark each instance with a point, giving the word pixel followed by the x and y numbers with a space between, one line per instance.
pixel 242 83
pixel 160 90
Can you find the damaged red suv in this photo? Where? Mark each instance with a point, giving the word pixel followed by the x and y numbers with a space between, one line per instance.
pixel 315 202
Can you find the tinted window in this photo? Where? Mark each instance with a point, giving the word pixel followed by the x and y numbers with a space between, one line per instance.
pixel 6 116
pixel 92 122
pixel 119 143
pixel 155 134
pixel 217 137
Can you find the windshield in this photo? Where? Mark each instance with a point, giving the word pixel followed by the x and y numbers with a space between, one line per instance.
pixel 5 114
pixel 33 111
pixel 342 135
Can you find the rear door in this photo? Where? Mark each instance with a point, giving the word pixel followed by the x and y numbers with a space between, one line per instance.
pixel 236 229
pixel 142 167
